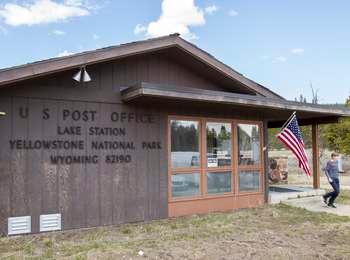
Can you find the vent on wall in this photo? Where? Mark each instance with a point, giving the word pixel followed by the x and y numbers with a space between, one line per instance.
pixel 50 222
pixel 19 225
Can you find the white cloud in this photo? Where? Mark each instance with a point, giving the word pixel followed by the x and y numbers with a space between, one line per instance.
pixel 297 51
pixel 232 13
pixel 211 9
pixel 280 59
pixel 58 32
pixel 176 17
pixel 95 36
pixel 139 28
pixel 64 53
pixel 41 12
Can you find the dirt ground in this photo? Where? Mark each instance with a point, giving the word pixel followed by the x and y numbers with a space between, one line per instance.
pixel 270 232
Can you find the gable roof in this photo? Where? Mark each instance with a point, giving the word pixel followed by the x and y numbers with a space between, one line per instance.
pixel 54 65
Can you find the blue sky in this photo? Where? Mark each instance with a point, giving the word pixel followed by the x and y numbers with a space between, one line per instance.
pixel 284 45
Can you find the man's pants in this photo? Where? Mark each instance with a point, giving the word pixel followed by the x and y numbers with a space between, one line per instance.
pixel 334 194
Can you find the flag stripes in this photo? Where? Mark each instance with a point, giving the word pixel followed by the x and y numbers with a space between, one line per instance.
pixel 291 137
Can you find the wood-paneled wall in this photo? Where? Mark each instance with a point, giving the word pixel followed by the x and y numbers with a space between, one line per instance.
pixel 91 194
pixel 85 194
pixel 107 78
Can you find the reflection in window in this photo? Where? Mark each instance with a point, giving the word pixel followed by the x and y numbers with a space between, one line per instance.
pixel 219 182
pixel 248 144
pixel 218 144
pixel 249 181
pixel 185 185
pixel 184 143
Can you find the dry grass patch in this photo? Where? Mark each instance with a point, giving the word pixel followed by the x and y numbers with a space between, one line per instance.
pixel 344 197
pixel 273 232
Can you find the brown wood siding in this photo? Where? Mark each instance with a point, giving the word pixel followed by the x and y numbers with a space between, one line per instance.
pixel 94 194
pixel 155 68
pixel 5 167
pixel 85 194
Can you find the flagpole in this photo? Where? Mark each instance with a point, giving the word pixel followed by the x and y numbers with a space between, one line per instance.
pixel 289 119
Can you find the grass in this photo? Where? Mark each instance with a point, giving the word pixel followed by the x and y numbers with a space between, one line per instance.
pixel 344 197
pixel 269 232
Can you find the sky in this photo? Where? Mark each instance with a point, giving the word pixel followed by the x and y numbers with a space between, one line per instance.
pixel 286 46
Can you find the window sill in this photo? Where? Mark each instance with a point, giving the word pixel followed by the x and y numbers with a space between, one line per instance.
pixel 215 196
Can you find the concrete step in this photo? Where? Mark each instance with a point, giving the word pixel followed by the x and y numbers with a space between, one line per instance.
pixel 297 192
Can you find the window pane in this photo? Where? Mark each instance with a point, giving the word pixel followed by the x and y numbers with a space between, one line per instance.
pixel 185 185
pixel 219 182
pixel 249 181
pixel 184 143
pixel 249 144
pixel 218 144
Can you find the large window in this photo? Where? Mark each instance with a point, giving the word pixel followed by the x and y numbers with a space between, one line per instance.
pixel 249 181
pixel 249 144
pixel 219 182
pixel 249 157
pixel 202 157
pixel 185 184
pixel 219 138
pixel 184 144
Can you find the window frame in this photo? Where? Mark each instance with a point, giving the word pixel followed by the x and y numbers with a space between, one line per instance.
pixel 186 169
pixel 217 169
pixel 249 168
pixel 182 170
pixel 203 168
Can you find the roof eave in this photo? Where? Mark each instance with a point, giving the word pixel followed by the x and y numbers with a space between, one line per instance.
pixel 208 96
pixel 55 65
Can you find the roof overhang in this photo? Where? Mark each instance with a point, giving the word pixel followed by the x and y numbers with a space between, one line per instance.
pixel 273 110
pixel 43 68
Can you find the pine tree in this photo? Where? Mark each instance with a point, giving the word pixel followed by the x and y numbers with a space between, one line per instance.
pixel 338 135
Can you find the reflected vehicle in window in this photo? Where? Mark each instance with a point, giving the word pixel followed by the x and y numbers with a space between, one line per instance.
pixel 218 182
pixel 184 185
pixel 179 183
pixel 219 159
pixel 219 141
pixel 194 160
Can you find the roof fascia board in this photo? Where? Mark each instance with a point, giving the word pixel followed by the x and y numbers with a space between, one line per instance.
pixel 11 75
pixel 145 89
pixel 223 68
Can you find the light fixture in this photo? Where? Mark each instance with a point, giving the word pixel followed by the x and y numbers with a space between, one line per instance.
pixel 82 75
pixel 2 113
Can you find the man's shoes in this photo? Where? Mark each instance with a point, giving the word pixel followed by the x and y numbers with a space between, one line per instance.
pixel 332 206
pixel 325 199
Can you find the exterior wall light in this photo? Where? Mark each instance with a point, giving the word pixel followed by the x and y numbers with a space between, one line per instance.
pixel 82 75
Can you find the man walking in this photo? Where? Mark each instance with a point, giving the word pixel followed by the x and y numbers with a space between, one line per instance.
pixel 332 173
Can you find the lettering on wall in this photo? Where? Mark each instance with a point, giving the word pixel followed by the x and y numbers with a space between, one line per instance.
pixel 115 140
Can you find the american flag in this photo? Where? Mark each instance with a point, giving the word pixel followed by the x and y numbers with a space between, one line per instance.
pixel 292 138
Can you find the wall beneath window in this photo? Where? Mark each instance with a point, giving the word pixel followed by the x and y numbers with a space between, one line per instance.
pixel 215 204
